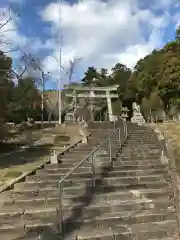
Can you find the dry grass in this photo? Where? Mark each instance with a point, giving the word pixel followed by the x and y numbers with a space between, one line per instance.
pixel 171 131
pixel 13 172
pixel 56 139
pixel 59 138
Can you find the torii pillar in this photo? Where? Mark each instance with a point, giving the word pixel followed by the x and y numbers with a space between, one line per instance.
pixel 92 96
pixel 109 105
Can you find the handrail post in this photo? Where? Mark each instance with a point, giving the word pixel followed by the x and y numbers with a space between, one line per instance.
pixel 60 208
pixel 114 123
pixel 110 150
pixel 119 136
pixel 93 169
pixel 125 128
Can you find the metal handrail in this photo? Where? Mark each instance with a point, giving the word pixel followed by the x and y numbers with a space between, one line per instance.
pixel 91 154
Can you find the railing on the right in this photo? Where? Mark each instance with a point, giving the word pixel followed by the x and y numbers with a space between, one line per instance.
pixel 168 157
pixel 107 150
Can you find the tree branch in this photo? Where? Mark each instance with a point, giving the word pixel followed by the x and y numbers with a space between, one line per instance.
pixel 72 65
pixel 5 19
pixel 10 18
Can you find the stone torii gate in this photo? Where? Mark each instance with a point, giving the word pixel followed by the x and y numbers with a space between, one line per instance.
pixel 93 92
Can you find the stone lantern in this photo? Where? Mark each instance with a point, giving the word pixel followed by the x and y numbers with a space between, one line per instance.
pixel 124 113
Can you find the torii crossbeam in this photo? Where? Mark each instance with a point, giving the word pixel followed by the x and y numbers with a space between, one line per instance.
pixel 94 92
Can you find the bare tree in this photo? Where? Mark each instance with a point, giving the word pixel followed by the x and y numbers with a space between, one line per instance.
pixel 25 64
pixel 6 17
pixel 72 67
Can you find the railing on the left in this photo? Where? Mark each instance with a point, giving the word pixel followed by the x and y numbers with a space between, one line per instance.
pixel 107 149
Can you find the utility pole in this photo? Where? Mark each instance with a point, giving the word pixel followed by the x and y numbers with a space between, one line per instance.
pixel 43 75
pixel 42 98
pixel 60 60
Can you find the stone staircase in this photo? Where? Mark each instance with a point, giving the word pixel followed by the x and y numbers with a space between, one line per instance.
pixel 131 199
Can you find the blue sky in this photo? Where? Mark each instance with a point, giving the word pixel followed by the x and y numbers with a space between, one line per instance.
pixel 101 33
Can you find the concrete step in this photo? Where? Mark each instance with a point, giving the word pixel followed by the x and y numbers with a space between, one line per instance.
pixel 48 194
pixel 140 154
pixel 80 149
pixel 77 155
pixel 11 232
pixel 176 236
pixel 105 220
pixel 88 175
pixel 82 188
pixel 84 151
pixel 123 232
pixel 118 162
pixel 98 206
pixel 137 161
pixel 138 166
pixel 144 142
pixel 87 172
pixel 141 151
pixel 10 216
pixel 20 232
pixel 103 233
pixel 43 180
pixel 80 152
pixel 141 140
pixel 120 154
pixel 21 207
pixel 77 159
pixel 137 157
pixel 103 158
pixel 110 221
pixel 142 137
pixel 155 230
pixel 118 165
pixel 146 148
pixel 149 145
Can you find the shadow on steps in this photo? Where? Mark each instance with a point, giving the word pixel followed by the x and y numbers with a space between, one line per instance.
pixel 71 223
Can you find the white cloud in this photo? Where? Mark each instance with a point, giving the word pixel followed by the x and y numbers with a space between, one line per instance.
pixel 176 20
pixel 105 32
pixel 101 32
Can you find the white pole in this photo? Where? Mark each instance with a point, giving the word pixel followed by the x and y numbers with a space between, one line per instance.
pixel 42 98
pixel 60 60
